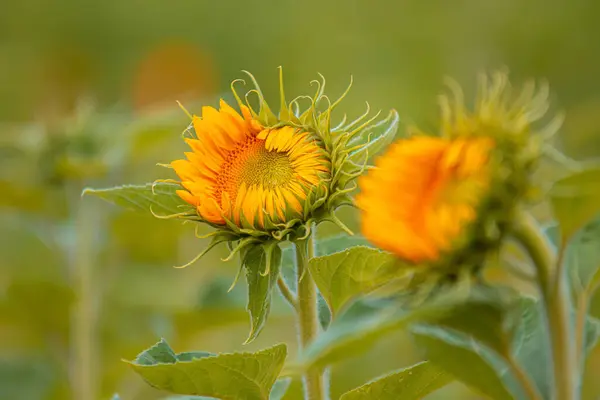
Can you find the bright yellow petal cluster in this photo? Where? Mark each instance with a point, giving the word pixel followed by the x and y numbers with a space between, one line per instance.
pixel 423 193
pixel 242 172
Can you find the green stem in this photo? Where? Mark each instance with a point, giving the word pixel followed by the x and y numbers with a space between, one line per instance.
pixel 286 292
pixel 522 377
pixel 554 291
pixel 581 315
pixel 83 316
pixel 307 310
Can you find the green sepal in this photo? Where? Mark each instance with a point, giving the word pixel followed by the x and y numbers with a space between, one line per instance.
pixel 373 139
pixel 218 238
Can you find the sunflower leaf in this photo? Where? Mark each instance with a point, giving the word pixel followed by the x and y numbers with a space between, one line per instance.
pixel 359 328
pixel 582 257
pixel 576 200
pixel 486 318
pixel 531 344
pixel 159 198
pixel 277 392
pixel 227 376
pixel 342 277
pixel 346 338
pixel 262 264
pixel 412 383
pixel 467 362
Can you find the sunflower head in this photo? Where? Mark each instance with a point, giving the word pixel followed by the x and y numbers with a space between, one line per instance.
pixel 445 202
pixel 259 177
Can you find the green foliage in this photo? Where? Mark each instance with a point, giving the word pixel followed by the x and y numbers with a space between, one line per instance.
pixel 158 198
pixel 473 341
pixel 279 389
pixel 581 258
pixel 348 338
pixel 357 271
pixel 410 383
pixel 480 346
pixel 262 265
pixel 360 328
pixel 244 376
pixel 485 319
pixel 576 200
pixel 531 344
pixel 464 360
pixel 326 246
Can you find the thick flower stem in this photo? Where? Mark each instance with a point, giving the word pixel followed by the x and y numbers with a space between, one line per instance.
pixel 307 311
pixel 553 287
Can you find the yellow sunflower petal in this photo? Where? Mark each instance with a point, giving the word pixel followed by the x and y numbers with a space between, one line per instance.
pixel 242 171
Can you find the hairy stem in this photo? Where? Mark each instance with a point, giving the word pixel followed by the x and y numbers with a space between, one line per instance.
pixel 307 311
pixel 524 380
pixel 583 303
pixel 287 293
pixel 581 314
pixel 554 291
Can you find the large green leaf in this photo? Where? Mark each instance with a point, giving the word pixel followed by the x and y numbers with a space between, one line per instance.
pixel 531 344
pixel 342 277
pixel 410 383
pixel 159 198
pixel 236 376
pixel 464 360
pixel 582 259
pixel 279 389
pixel 476 340
pixel 582 256
pixel 361 327
pixel 349 338
pixel 486 319
pixel 262 265
pixel 576 200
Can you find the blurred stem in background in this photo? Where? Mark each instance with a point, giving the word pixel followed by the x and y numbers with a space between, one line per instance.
pixel 308 318
pixel 553 286
pixel 83 358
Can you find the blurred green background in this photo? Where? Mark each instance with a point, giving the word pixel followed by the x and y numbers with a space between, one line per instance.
pixel 87 98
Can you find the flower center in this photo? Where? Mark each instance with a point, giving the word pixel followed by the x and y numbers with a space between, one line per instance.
pixel 267 168
pixel 251 163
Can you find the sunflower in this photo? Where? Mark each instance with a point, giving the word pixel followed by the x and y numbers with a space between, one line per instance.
pixel 447 201
pixel 423 193
pixel 260 178
pixel 243 172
